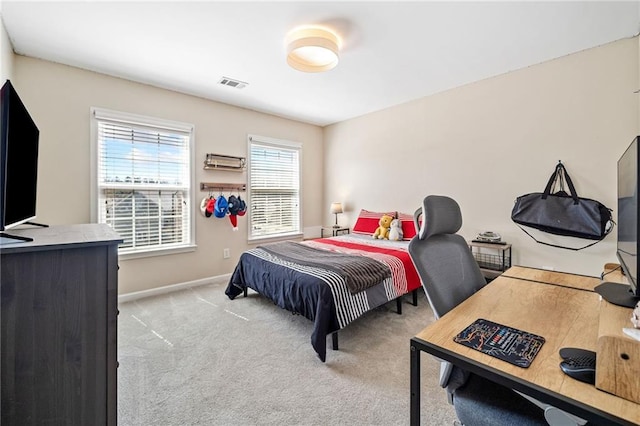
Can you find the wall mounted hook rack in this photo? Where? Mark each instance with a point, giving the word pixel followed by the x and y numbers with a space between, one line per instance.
pixel 213 186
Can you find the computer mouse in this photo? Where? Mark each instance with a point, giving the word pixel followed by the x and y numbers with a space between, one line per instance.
pixel 575 353
pixel 582 371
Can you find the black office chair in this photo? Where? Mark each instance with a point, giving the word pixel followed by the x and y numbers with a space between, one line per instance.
pixel 449 275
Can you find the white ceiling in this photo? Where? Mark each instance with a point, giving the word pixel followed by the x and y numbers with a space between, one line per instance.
pixel 392 52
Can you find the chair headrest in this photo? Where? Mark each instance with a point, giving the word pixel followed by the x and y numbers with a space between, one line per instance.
pixel 440 215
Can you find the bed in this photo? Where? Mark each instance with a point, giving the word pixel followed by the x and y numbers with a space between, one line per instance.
pixel 319 292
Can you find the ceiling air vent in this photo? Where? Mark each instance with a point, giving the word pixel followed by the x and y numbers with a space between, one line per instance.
pixel 226 81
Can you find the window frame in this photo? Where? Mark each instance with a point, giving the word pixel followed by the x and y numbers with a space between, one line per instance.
pixel 98 114
pixel 282 144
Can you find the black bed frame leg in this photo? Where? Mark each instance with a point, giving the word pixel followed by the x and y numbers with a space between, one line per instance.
pixel 245 291
pixel 399 305
pixel 414 294
pixel 334 340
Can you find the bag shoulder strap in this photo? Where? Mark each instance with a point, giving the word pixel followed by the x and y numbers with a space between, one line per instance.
pixel 556 245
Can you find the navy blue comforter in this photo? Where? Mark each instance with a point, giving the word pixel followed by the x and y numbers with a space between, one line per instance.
pixel 290 289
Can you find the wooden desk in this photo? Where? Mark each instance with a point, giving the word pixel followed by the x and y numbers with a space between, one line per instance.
pixel 560 307
pixel 564 279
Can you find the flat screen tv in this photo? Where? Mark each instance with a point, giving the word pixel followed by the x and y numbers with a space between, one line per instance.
pixel 19 137
pixel 628 238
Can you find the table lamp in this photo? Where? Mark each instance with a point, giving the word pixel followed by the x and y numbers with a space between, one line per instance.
pixel 335 209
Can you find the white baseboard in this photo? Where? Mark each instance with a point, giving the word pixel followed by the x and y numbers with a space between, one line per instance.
pixel 128 297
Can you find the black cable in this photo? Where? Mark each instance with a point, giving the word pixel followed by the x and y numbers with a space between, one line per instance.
pixel 603 274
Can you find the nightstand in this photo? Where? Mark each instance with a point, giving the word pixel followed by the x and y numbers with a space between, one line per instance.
pixel 492 258
pixel 330 231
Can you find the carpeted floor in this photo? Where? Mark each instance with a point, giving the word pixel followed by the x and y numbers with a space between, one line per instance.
pixel 194 357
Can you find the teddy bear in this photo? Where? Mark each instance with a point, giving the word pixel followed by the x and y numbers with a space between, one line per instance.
pixel 395 230
pixel 382 232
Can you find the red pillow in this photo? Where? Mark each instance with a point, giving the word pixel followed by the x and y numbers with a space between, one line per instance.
pixel 408 228
pixel 368 221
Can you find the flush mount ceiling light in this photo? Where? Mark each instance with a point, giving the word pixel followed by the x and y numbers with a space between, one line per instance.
pixel 312 49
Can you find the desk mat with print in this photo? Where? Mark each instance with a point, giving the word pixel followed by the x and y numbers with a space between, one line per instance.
pixel 508 344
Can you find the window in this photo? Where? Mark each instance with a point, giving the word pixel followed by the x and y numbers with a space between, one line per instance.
pixel 142 181
pixel 274 188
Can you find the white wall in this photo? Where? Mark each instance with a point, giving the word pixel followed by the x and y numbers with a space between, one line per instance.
pixel 59 98
pixel 6 54
pixel 484 144
pixel 488 142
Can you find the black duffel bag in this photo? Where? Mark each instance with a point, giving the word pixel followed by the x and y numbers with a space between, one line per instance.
pixel 561 213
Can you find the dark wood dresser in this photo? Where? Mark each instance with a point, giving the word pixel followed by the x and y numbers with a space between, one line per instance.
pixel 58 318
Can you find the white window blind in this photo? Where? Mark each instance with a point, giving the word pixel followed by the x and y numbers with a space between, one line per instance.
pixel 274 188
pixel 143 175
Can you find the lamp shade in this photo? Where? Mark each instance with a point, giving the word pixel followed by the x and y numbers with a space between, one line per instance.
pixel 312 50
pixel 336 208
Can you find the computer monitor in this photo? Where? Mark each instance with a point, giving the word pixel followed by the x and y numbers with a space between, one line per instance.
pixel 19 138
pixel 628 238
